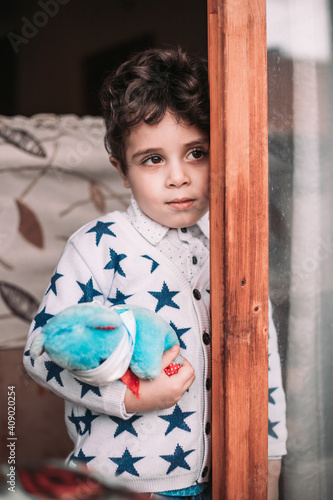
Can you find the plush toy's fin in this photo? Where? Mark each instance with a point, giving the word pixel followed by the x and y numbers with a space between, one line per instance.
pixel 37 346
pixel 132 382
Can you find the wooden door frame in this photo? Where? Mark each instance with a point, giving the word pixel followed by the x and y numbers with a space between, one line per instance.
pixel 237 57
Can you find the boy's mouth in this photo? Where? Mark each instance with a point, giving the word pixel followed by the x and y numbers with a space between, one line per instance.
pixel 181 203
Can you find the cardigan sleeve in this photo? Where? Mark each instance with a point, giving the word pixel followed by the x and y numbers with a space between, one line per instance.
pixel 277 430
pixel 72 282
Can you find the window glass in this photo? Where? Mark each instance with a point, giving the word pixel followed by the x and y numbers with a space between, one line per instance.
pixel 300 109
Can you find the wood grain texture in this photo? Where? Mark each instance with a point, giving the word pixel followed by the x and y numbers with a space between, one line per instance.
pixel 239 247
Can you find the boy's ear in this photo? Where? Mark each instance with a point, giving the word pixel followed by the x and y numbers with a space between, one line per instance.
pixel 116 164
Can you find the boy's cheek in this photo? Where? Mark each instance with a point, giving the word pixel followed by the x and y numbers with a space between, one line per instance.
pixel 117 165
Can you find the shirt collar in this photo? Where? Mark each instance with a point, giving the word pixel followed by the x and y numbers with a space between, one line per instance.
pixel 203 224
pixel 153 231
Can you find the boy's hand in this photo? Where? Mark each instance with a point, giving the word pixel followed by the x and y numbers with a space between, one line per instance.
pixel 164 391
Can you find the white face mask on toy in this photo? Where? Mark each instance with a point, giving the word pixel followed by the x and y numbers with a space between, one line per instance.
pixel 117 364
pixel 99 345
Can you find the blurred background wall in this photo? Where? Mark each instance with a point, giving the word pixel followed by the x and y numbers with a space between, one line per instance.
pixel 54 53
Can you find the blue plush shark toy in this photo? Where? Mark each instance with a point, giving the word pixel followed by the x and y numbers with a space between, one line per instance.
pixel 98 344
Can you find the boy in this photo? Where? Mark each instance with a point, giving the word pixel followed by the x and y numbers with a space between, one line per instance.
pixel 156 109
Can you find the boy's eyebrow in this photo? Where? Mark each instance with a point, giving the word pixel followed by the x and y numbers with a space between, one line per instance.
pixel 197 142
pixel 142 152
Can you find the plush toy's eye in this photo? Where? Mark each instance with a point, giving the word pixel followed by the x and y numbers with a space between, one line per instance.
pixel 105 327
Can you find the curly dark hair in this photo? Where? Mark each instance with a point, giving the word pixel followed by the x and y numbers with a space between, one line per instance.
pixel 146 86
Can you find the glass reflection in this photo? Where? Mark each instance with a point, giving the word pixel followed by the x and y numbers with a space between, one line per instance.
pixel 300 108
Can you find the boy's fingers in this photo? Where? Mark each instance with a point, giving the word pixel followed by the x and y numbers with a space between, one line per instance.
pixel 170 355
pixel 187 370
pixel 185 374
pixel 189 382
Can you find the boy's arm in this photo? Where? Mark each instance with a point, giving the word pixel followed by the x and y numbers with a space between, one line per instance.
pixel 71 283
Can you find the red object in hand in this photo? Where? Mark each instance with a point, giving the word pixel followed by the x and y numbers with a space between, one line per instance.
pixel 172 369
pixel 133 383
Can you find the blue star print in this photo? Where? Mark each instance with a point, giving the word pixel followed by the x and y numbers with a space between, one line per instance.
pixel 75 421
pixel 115 262
pixel 154 264
pixel 86 388
pixel 53 371
pixel 126 463
pixel 177 419
pixel 81 457
pixel 177 459
pixel 32 361
pixel 180 332
pixel 119 298
pixel 88 291
pixel 271 431
pixel 42 318
pixel 125 425
pixel 53 286
pixel 271 400
pixel 164 298
pixel 100 229
pixel 85 419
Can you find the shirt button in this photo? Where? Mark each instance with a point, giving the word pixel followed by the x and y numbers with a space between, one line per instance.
pixel 207 428
pixel 204 472
pixel 206 338
pixel 184 229
pixel 194 260
pixel 208 384
pixel 196 294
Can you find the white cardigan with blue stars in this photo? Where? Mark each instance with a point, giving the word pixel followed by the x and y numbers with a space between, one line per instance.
pixel 109 261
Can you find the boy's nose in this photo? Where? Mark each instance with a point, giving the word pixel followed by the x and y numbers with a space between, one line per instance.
pixel 177 175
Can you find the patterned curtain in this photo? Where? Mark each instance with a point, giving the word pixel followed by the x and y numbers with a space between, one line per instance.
pixel 54 177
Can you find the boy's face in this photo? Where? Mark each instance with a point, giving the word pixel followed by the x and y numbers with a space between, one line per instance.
pixel 168 171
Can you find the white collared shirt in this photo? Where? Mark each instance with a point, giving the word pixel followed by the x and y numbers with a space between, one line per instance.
pixel 187 248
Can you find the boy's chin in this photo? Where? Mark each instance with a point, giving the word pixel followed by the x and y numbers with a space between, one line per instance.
pixel 181 221
pixel 175 219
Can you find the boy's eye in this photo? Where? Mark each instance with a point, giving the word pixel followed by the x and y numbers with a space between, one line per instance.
pixel 153 160
pixel 197 154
